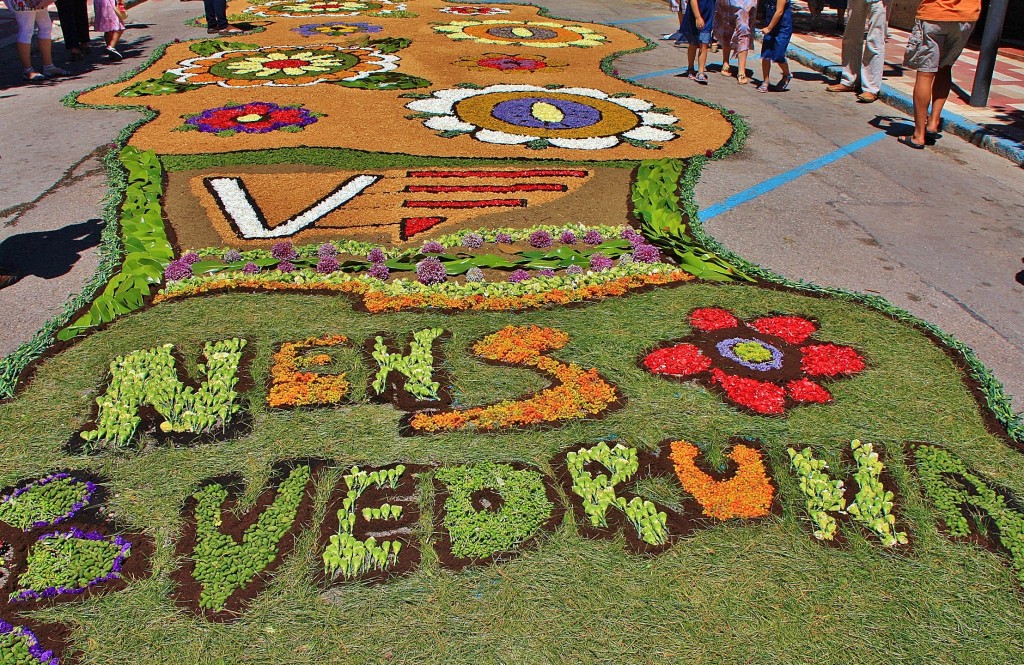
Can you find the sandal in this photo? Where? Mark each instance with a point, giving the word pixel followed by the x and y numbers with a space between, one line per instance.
pixel 53 71
pixel 726 70
pixel 32 76
pixel 908 140
pixel 783 84
pixel 743 79
pixel 763 87
pixel 231 30
pixel 931 137
pixel 701 78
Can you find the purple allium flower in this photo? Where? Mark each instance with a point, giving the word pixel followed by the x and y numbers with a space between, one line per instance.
pixel 379 271
pixel 646 254
pixel 286 266
pixel 376 255
pixel 326 249
pixel 546 272
pixel 232 255
pixel 190 258
pixel 541 239
pixel 431 271
pixel 633 237
pixel 472 240
pixel 283 250
pixel 177 269
pixel 518 276
pixel 593 238
pixel 251 268
pixel 568 237
pixel 503 239
pixel 574 270
pixel 327 264
pixel 600 262
pixel 474 274
pixel 432 247
pixel 625 259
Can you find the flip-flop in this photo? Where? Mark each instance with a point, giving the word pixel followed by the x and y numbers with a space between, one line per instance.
pixel 909 141
pixel 931 137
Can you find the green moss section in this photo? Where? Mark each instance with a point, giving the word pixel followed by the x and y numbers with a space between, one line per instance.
pixel 721 596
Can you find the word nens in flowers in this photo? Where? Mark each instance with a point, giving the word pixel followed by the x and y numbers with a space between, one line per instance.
pixel 956 493
pixel 577 394
pixel 748 494
pixel 293 379
pixel 47 501
pixel 871 507
pixel 417 366
pixel 222 566
pixel 491 508
pixel 149 377
pixel 354 552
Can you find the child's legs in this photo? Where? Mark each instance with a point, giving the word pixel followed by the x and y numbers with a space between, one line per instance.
pixel 726 52
pixel 691 55
pixel 940 92
pixel 702 59
pixel 742 58
pixel 766 69
pixel 922 97
pixel 784 65
pixel 26 26
pixel 111 37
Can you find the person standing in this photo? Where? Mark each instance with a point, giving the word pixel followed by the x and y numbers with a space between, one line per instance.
pixel 30 15
pixel 217 17
pixel 698 29
pixel 775 42
pixel 863 57
pixel 74 25
pixel 733 21
pixel 108 21
pixel 940 33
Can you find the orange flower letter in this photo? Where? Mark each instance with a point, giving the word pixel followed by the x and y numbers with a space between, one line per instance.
pixel 577 393
pixel 291 386
pixel 747 494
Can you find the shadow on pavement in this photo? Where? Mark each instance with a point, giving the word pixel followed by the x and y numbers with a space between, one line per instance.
pixel 48 254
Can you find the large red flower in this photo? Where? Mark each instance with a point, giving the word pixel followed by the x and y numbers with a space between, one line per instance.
pixel 765 366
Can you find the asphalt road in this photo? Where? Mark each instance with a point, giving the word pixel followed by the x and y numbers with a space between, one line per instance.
pixel 939 232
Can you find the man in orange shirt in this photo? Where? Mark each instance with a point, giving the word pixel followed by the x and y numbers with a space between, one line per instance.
pixel 939 36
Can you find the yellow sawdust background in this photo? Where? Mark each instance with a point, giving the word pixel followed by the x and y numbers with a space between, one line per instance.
pixel 375 120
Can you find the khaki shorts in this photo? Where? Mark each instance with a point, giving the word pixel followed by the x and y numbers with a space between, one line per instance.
pixel 934 45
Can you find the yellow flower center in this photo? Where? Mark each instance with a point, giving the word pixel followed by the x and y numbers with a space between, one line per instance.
pixel 546 112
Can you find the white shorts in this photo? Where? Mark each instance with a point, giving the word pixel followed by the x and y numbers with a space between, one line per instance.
pixel 934 45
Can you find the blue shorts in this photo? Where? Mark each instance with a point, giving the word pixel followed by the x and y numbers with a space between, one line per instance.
pixel 689 27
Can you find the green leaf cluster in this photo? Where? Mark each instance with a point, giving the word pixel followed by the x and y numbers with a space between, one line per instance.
pixel 873 504
pixel 150 377
pixel 147 250
pixel 417 367
pixel 346 555
pixel 483 533
pixel 951 488
pixel 42 502
pixel 223 566
pixel 208 47
pixel 167 84
pixel 14 648
pixel 822 495
pixel 65 560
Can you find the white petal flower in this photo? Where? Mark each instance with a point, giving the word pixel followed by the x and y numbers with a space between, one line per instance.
pixel 504 138
pixel 658 119
pixel 632 103
pixel 448 123
pixel 594 143
pixel 457 94
pixel 649 134
pixel 585 92
pixel 431 105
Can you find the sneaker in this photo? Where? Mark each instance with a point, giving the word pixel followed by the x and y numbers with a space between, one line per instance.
pixel 701 78
pixel 114 55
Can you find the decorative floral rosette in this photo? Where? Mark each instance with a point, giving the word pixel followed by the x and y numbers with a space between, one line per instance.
pixel 251 118
pixel 300 9
pixel 574 118
pixel 541 34
pixel 285 66
pixel 336 29
pixel 766 365
pixel 506 62
pixel 473 10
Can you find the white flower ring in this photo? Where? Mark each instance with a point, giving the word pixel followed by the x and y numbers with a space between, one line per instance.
pixel 574 118
pixel 541 34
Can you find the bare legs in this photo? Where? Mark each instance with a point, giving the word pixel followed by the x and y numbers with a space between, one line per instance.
pixel 111 37
pixel 930 89
pixel 45 51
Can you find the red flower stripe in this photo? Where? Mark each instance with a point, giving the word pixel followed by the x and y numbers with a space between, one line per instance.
pixel 528 173
pixel 758 396
pixel 793 329
pixel 487 189
pixel 712 318
pixel 485 203
pixel 410 226
pixel 679 360
pixel 831 360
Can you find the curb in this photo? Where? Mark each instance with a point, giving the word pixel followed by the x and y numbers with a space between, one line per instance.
pixel 951 122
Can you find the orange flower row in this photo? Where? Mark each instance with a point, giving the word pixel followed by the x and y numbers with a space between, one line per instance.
pixel 290 386
pixel 378 301
pixel 580 392
pixel 747 494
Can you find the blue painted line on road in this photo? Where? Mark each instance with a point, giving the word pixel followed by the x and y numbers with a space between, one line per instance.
pixel 760 189
pixel 660 72
pixel 643 20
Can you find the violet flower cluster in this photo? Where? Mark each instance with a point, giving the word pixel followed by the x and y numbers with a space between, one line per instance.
pixel 44 656
pixel 115 569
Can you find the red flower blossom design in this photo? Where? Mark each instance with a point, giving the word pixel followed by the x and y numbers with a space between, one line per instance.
pixel 764 366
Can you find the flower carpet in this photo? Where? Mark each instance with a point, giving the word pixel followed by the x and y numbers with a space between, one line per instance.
pixel 407 347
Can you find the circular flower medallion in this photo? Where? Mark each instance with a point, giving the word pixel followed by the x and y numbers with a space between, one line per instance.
pixel 507 63
pixel 251 118
pixel 284 66
pixel 336 29
pixel 763 366
pixel 473 10
pixel 576 118
pixel 304 9
pixel 541 34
